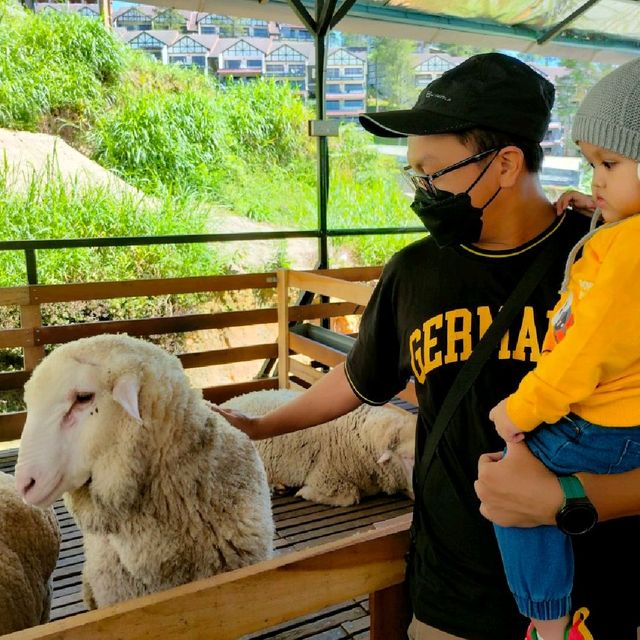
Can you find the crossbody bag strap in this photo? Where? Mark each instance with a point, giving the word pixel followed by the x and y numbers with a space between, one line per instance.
pixel 480 354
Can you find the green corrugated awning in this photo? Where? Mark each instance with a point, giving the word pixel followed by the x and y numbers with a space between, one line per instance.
pixel 600 30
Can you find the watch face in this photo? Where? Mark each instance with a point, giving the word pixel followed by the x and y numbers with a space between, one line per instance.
pixel 576 518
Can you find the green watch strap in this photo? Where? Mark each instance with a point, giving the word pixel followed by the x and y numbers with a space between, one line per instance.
pixel 572 487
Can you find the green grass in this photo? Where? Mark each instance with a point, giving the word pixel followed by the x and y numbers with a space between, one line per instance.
pixel 49 208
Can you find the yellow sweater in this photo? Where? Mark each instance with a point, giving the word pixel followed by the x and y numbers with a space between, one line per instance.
pixel 590 363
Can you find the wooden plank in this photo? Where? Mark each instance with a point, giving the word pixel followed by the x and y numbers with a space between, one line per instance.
pixel 331 286
pixel 16 338
pixel 304 371
pixel 31 318
pixel 315 350
pixel 151 287
pixel 230 605
pixel 223 392
pixel 392 599
pixel 158 326
pixel 13 379
pixel 226 356
pixel 324 310
pixel 14 295
pixel 166 286
pixel 283 328
pixel 408 394
pixel 11 425
pixel 155 326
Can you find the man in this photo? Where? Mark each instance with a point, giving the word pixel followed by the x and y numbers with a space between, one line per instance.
pixel 473 148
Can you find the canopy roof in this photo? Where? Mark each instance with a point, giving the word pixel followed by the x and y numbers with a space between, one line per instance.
pixel 599 30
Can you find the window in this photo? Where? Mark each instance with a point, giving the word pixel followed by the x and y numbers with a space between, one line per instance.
pixel 181 60
pixel 232 64
pixel 199 61
pixel 352 105
pixel 435 64
pixel 332 73
pixel 333 105
pixel 333 88
pixel 354 72
pixel 260 32
pixel 243 50
pixel 254 64
pixel 354 88
pixel 209 28
pixel 275 69
pixel 145 41
pixel 296 70
pixel 187 45
pixel 286 53
pixel 342 57
pixel 297 84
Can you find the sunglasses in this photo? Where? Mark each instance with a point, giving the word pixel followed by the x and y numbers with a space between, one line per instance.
pixel 425 181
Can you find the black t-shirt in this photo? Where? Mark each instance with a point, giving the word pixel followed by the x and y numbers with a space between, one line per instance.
pixel 426 314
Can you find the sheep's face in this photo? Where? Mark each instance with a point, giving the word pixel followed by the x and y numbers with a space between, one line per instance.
pixel 400 452
pixel 71 419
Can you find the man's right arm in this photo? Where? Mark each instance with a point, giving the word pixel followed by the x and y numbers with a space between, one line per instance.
pixel 329 398
pixel 519 491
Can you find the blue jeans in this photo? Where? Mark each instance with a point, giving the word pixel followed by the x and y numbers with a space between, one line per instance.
pixel 538 561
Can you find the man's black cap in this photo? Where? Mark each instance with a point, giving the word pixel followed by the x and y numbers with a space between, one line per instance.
pixel 489 91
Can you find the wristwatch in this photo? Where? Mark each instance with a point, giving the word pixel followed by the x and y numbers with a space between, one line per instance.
pixel 577 515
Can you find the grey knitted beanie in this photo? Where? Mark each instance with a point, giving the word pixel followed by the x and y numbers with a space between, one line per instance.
pixel 609 116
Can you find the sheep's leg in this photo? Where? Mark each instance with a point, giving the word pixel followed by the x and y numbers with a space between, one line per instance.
pixel 105 580
pixel 325 488
pixel 87 594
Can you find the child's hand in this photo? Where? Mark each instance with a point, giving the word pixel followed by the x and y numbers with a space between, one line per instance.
pixel 506 429
pixel 581 202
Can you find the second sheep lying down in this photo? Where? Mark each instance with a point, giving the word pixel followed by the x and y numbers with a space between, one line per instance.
pixel 164 490
pixel 367 451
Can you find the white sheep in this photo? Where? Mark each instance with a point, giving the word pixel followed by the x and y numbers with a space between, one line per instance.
pixel 365 452
pixel 164 490
pixel 29 547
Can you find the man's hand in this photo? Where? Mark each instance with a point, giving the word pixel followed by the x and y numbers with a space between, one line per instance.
pixel 517 490
pixel 251 426
pixel 506 429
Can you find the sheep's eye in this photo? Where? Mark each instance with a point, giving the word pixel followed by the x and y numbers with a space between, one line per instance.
pixel 84 398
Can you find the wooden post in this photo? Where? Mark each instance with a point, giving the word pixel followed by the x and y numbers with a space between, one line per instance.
pixel 105 13
pixel 390 613
pixel 31 318
pixel 283 328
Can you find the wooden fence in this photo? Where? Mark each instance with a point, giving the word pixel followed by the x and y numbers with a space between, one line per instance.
pixel 230 605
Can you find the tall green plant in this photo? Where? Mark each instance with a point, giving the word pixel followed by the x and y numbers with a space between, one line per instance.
pixel 55 64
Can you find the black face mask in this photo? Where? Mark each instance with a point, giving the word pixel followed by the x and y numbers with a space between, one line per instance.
pixel 451 218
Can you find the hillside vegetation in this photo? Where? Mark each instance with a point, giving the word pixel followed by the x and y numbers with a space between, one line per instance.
pixel 188 142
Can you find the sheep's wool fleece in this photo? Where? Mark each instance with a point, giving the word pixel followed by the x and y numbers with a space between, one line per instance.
pixel 178 496
pixel 336 463
pixel 29 546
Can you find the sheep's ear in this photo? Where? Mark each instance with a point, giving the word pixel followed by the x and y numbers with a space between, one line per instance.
pixel 125 393
pixel 385 457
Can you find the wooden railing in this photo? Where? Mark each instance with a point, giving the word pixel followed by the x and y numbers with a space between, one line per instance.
pixel 290 343
pixel 33 336
pixel 257 597
pixel 230 605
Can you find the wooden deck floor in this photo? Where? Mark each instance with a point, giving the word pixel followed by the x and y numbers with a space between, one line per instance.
pixel 299 524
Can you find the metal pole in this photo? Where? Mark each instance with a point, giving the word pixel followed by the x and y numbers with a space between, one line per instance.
pixel 32 267
pixel 320 37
